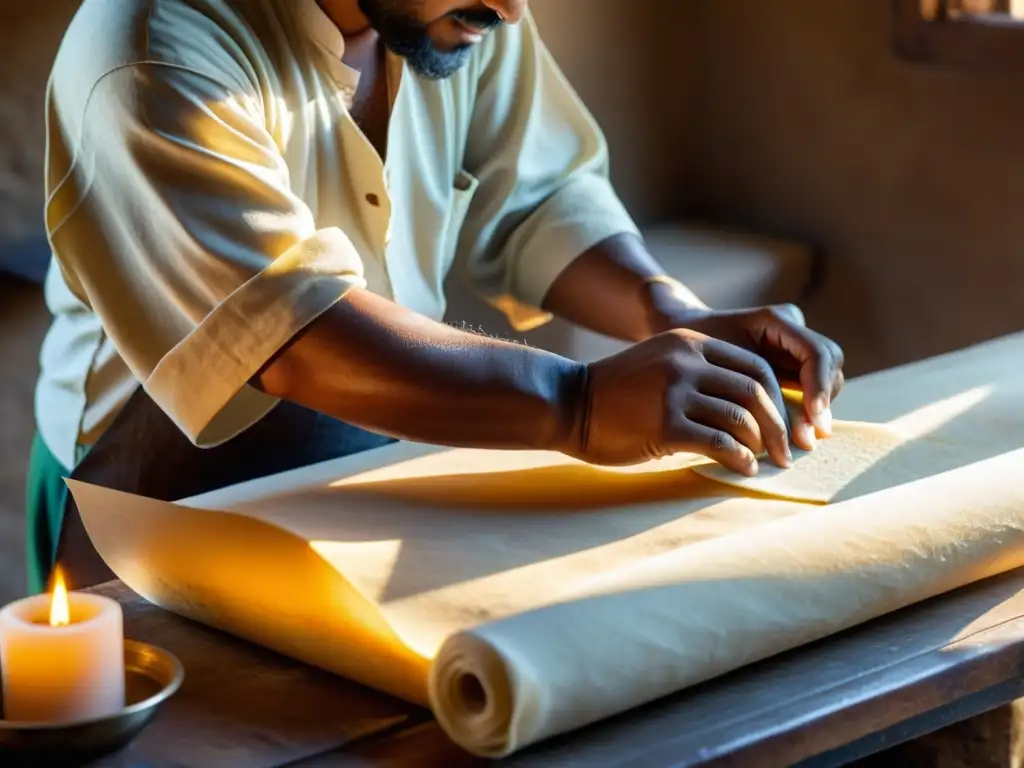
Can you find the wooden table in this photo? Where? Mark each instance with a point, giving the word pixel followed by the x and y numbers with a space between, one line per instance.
pixel 828 704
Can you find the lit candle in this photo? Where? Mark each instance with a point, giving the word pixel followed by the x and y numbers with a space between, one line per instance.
pixel 62 657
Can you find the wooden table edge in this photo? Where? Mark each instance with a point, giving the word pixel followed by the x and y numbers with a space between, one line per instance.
pixel 983 670
pixel 953 682
pixel 991 675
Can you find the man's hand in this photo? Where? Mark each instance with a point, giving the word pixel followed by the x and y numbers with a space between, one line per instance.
pixel 681 391
pixel 799 357
pixel 618 289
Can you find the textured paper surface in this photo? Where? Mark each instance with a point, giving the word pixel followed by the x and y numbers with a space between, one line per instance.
pixel 525 594
pixel 823 474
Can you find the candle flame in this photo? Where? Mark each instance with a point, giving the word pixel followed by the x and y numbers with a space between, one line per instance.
pixel 60 611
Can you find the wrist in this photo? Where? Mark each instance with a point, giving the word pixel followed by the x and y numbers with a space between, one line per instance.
pixel 571 410
pixel 670 304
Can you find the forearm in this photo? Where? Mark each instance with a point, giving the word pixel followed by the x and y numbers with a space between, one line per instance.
pixel 617 288
pixel 374 364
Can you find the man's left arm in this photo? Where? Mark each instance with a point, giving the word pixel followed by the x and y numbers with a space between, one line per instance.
pixel 544 197
pixel 618 288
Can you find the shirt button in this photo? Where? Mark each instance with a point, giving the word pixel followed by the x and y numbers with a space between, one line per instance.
pixel 373 200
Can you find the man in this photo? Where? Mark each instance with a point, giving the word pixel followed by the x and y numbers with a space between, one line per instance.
pixel 253 206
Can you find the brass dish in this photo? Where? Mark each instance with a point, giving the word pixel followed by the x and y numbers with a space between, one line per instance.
pixel 152 676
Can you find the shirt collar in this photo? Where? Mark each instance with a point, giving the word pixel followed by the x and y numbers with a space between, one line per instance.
pixel 326 35
pixel 321 29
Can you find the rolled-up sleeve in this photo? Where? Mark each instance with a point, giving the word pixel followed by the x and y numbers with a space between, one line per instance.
pixel 177 226
pixel 544 195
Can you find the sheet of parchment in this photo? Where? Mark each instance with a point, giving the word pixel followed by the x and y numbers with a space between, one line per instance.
pixel 429 541
pixel 478 550
pixel 821 475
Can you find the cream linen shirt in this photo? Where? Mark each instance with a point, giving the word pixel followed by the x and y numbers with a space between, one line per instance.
pixel 209 195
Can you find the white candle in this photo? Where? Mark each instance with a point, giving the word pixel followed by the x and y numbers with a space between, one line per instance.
pixel 62 657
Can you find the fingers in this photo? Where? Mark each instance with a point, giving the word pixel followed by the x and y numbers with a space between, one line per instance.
pixel 804 434
pixel 717 445
pixel 822 380
pixel 820 364
pixel 743 379
pixel 728 417
pixel 839 379
pixel 801 431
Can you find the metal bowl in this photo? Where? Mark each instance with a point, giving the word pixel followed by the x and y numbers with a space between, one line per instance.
pixel 152 676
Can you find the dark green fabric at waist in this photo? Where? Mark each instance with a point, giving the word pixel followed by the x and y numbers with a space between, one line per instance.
pixel 45 495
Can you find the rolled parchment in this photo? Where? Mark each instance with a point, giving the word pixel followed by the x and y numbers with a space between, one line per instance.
pixel 660 624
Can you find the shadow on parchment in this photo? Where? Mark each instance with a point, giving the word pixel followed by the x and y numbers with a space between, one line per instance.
pixel 453 528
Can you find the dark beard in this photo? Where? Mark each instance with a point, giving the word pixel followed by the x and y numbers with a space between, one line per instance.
pixel 405 36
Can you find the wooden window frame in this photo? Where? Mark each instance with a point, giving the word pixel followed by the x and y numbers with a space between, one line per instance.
pixel 987 42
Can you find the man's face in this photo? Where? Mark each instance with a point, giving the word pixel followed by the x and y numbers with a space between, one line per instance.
pixel 436 36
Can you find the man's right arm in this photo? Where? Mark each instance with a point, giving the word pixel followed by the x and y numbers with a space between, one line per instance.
pixel 372 363
pixel 369 362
